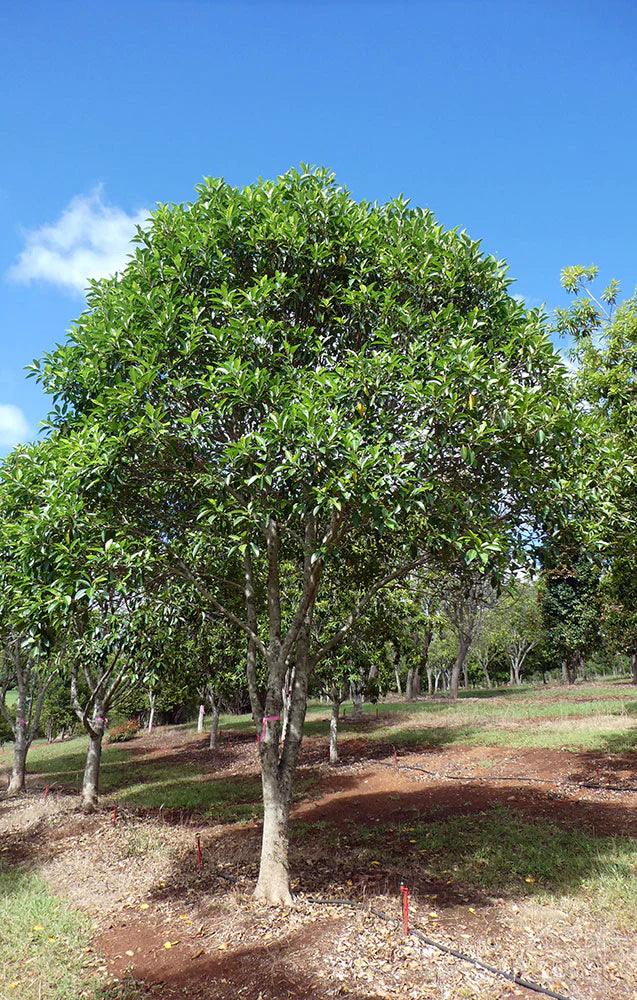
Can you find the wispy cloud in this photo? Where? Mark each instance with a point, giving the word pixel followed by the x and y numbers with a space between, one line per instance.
pixel 13 425
pixel 91 239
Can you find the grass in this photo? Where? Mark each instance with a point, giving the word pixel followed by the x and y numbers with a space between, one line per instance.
pixel 499 852
pixel 588 717
pixel 45 955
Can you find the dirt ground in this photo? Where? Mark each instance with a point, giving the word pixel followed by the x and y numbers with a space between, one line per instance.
pixel 176 929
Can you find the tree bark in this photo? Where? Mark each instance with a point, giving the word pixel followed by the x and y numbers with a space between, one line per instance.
pixel 273 884
pixel 409 685
pixel 17 782
pixel 397 675
pixel 458 666
pixel 634 666
pixel 202 713
pixel 568 672
pixel 430 682
pixel 91 780
pixel 214 725
pixel 336 711
pixel 152 698
pixel 357 700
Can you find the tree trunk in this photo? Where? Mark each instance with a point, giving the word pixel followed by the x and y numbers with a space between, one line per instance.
pixel 336 709
pixel 357 700
pixel 399 686
pixel 465 675
pixel 202 713
pixel 416 683
pixel 568 672
pixel 273 884
pixel 430 682
pixel 214 725
pixel 458 667
pixel 409 686
pixel 634 666
pixel 91 781
pixel 152 698
pixel 17 782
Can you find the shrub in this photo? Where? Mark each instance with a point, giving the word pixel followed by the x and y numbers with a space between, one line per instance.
pixel 124 732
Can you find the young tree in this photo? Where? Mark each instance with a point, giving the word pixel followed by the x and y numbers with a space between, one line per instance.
pixel 281 371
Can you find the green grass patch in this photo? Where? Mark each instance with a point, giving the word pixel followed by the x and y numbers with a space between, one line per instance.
pixel 499 852
pixel 42 945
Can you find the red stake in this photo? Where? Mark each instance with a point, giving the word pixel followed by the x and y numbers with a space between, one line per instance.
pixel 114 816
pixel 405 892
pixel 199 853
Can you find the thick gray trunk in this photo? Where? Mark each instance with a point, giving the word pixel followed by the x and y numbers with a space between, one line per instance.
pixel 91 781
pixel 202 713
pixel 273 884
pixel 214 726
pixel 336 711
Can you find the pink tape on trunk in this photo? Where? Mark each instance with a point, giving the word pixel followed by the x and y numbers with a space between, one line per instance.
pixel 264 723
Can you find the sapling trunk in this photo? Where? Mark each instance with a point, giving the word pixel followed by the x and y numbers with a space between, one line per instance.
pixel 202 712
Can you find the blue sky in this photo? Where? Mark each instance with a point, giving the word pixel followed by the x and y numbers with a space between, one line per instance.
pixel 514 120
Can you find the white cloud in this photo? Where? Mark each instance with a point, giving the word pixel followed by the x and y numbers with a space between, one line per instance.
pixel 13 425
pixel 91 239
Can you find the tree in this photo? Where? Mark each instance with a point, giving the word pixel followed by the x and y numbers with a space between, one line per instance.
pixel 605 352
pixel 281 371
pixel 569 604
pixel 518 624
pixel 30 600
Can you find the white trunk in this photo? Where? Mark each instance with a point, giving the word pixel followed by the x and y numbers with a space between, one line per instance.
pixel 202 712
pixel 398 684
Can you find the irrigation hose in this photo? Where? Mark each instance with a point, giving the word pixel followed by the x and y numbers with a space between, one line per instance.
pixel 509 976
pixel 506 778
